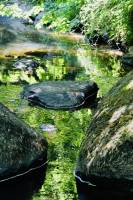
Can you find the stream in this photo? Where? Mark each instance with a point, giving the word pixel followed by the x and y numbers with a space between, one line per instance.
pixel 59 57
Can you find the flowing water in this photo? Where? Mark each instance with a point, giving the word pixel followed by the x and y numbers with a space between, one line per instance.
pixel 60 57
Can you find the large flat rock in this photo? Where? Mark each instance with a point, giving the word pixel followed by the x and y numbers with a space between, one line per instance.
pixel 21 148
pixel 61 95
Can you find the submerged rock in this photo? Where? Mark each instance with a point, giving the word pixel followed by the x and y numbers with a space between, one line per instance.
pixel 21 148
pixel 106 154
pixel 26 64
pixel 48 128
pixel 65 95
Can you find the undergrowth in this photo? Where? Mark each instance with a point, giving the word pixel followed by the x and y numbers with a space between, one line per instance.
pixel 61 15
pixel 114 17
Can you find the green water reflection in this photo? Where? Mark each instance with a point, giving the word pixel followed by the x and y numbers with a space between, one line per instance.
pixel 71 126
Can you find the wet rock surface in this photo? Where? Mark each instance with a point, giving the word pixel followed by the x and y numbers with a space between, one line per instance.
pixel 26 64
pixel 105 157
pixel 61 95
pixel 21 148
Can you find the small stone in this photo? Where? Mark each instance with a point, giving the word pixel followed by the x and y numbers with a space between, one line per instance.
pixel 48 128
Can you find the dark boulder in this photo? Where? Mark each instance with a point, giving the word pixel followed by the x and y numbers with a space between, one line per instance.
pixel 21 148
pixel 61 95
pixel 117 44
pixel 103 39
pixel 106 154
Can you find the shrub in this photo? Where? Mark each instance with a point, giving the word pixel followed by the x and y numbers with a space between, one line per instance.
pixel 61 15
pixel 109 16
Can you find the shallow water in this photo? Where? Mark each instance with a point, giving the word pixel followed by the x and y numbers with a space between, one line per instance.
pixel 65 58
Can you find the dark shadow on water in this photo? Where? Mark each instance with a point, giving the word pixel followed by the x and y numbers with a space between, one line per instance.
pixel 24 187
pixel 86 192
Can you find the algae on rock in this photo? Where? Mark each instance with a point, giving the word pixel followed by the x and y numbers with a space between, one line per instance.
pixel 107 149
pixel 21 148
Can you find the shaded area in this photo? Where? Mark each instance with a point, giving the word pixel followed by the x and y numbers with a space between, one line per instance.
pixel 86 192
pixel 24 187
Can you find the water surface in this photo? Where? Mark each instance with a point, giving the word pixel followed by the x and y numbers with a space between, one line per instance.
pixel 60 58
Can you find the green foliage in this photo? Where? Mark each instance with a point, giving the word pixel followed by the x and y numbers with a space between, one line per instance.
pixel 58 15
pixel 64 144
pixel 61 15
pixel 112 16
pixel 15 11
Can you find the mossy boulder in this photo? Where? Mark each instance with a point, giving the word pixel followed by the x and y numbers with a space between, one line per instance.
pixel 21 148
pixel 106 154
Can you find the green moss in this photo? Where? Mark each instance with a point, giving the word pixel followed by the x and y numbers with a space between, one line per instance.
pixel 107 149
